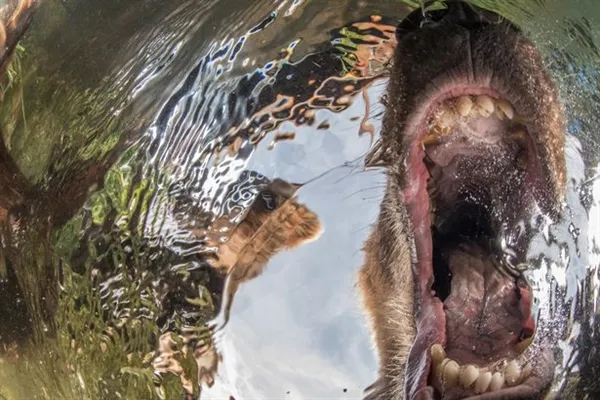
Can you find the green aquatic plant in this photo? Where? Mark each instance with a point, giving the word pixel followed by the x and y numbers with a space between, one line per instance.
pixel 94 354
pixel 13 70
pixel 13 79
pixel 435 5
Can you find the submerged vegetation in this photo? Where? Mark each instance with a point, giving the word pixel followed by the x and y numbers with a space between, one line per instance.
pixel 13 71
pixel 12 81
pixel 99 352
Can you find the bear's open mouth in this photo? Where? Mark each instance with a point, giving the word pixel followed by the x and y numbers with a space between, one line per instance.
pixel 472 172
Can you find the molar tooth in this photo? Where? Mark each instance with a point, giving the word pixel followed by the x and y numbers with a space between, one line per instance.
pixel 497 382
pixel 468 375
pixel 512 373
pixel 446 118
pixel 450 371
pixel 486 105
pixel 464 104
pixel 435 131
pixel 483 382
pixel 437 354
pixel 445 131
pixel 506 108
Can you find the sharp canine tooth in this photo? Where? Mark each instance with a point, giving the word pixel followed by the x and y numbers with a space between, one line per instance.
pixel 483 382
pixel 512 373
pixel 485 104
pixel 464 104
pixel 499 114
pixel 506 108
pixel 437 354
pixel 497 382
pixel 430 138
pixel 468 375
pixel 522 345
pixel 450 371
pixel 526 372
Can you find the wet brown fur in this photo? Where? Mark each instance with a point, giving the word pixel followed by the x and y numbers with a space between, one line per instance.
pixel 383 280
pixel 264 232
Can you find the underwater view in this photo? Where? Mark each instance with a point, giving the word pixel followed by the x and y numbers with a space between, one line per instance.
pixel 299 199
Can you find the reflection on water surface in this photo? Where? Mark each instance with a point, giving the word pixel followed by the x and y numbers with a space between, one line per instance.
pixel 183 195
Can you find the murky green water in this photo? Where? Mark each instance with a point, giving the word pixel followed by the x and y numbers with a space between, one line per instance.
pixel 138 135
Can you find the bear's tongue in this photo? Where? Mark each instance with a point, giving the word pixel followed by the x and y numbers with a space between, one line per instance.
pixel 488 312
